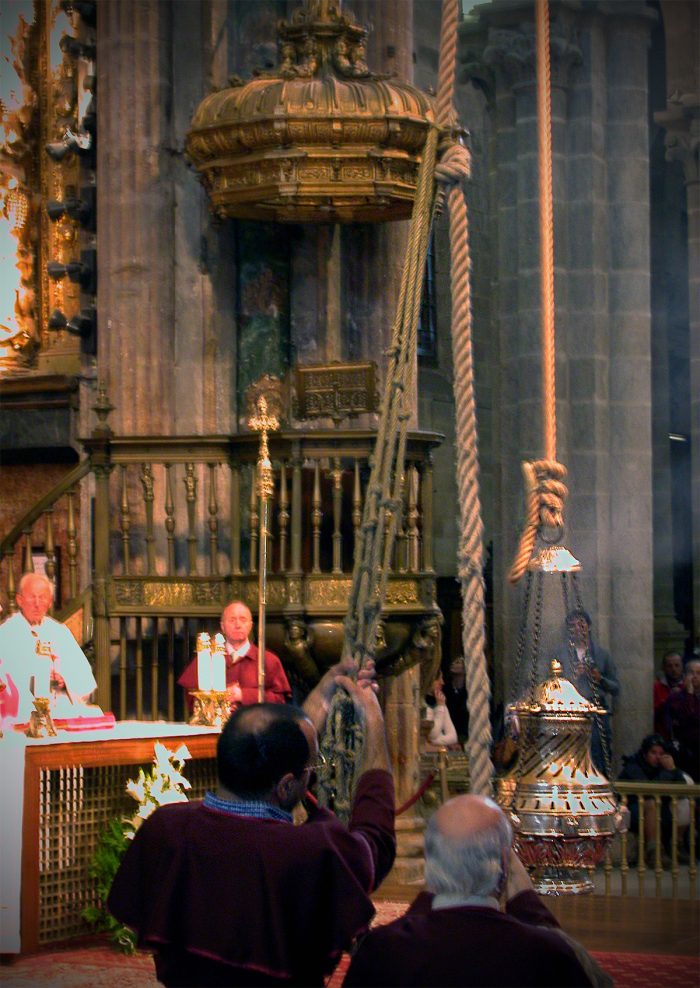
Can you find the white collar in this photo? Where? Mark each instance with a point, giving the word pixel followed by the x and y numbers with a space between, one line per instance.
pixel 452 900
pixel 240 652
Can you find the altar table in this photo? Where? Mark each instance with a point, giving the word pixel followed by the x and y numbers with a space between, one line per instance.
pixel 58 796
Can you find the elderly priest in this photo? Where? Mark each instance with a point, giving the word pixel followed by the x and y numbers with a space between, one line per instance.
pixel 229 891
pixel 40 657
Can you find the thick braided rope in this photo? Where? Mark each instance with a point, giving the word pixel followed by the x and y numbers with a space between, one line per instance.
pixel 453 172
pixel 544 148
pixel 545 494
pixel 384 495
pixel 372 562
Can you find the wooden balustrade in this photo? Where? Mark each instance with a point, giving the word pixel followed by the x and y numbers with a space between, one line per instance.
pixel 625 871
pixel 176 535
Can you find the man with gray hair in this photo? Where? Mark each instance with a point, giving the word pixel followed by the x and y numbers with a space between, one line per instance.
pixel 36 649
pixel 481 923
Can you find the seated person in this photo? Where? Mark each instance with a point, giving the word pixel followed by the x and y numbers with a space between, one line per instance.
pixel 242 662
pixel 69 675
pixel 442 732
pixel 480 923
pixel 654 763
pixel 670 680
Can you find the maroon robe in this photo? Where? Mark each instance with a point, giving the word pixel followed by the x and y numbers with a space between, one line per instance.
pixel 244 672
pixel 230 900
pixel 468 945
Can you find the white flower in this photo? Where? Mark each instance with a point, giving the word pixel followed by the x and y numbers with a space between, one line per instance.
pixel 182 754
pixel 146 809
pixel 137 788
pixel 172 796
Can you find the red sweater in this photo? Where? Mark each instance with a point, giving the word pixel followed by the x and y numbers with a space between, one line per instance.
pixel 467 945
pixel 229 900
pixel 245 673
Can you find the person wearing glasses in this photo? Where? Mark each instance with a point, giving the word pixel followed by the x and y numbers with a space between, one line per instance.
pixel 228 891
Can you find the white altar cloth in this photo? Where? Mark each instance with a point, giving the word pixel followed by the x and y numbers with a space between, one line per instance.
pixel 12 752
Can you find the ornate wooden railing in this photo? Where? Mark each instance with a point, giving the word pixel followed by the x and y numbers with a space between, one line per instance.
pixel 681 872
pixel 157 534
pixel 626 870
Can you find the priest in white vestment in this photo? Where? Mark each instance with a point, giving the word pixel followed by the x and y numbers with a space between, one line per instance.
pixel 22 667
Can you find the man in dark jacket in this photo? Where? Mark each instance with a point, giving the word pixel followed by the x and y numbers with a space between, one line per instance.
pixel 460 935
pixel 229 891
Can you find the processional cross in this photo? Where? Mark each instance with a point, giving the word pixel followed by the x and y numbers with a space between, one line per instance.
pixel 263 423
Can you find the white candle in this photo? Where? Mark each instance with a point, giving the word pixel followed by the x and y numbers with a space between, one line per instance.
pixel 218 664
pixel 204 663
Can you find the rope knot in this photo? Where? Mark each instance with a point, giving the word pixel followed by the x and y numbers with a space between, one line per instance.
pixel 454 167
pixel 545 494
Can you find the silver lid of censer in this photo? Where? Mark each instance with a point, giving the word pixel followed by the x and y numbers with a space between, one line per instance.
pixel 563 809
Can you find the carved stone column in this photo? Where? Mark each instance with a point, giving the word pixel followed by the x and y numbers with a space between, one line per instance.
pixel 602 295
pixel 402 713
pixel 161 265
pixel 682 122
pixel 379 249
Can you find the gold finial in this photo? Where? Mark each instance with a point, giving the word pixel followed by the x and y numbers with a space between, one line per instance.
pixel 102 409
pixel 263 423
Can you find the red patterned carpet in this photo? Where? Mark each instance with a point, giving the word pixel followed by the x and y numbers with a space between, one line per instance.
pixel 93 965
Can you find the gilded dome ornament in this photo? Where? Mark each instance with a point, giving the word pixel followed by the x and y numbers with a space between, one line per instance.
pixel 319 138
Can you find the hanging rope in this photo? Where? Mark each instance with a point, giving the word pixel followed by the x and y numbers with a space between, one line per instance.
pixel 383 498
pixel 544 491
pixel 453 173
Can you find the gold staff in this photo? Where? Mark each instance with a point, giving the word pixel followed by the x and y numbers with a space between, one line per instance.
pixel 263 423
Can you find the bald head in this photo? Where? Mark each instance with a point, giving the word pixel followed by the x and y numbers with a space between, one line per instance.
pixel 467 846
pixel 464 816
pixel 34 597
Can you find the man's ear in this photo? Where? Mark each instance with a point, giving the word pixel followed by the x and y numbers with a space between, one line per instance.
pixel 285 789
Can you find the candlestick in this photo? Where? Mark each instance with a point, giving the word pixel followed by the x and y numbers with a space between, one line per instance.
pixel 204 664
pixel 218 664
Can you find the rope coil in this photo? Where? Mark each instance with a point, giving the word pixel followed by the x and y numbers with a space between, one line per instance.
pixel 545 494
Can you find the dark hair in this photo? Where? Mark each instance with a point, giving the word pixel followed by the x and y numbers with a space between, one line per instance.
pixel 651 740
pixel 259 744
pixel 576 614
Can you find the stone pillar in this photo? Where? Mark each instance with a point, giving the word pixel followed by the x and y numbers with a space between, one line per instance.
pixel 602 297
pixel 162 268
pixel 629 307
pixel 503 58
pixel 682 122
pixel 135 215
pixel 402 712
pixel 383 245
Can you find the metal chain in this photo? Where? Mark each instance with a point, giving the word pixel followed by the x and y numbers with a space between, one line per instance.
pixel 517 686
pixel 600 720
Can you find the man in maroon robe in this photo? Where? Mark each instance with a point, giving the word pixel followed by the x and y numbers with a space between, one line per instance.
pixel 242 662
pixel 229 891
pixel 459 935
